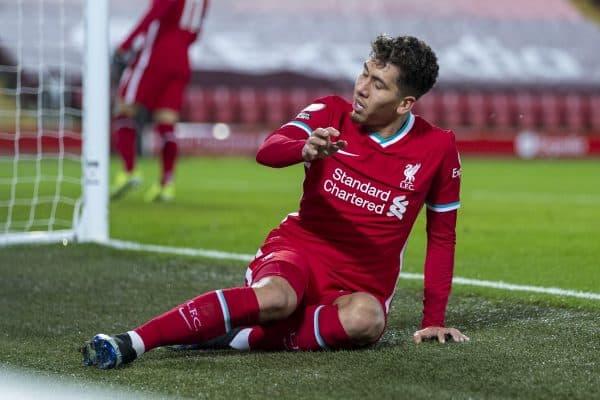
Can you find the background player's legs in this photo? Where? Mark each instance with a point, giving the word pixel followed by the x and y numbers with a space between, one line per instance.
pixel 169 152
pixel 124 133
pixel 135 98
pixel 168 100
pixel 165 120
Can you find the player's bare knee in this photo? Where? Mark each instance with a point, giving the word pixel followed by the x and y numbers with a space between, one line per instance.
pixel 276 298
pixel 363 320
pixel 166 116
pixel 275 304
pixel 364 327
pixel 127 109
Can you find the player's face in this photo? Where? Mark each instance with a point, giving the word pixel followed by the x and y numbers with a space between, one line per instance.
pixel 377 101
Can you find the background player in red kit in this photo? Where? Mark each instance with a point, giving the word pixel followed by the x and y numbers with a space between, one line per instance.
pixel 324 279
pixel 156 74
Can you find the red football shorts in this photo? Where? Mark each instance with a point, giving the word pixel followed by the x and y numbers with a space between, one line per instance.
pixel 153 86
pixel 307 275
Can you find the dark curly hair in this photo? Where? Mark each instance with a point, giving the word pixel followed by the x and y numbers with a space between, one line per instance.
pixel 415 59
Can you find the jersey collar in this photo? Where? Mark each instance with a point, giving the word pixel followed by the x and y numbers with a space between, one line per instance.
pixel 403 131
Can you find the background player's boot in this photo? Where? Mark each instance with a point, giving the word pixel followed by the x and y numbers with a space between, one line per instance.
pixel 168 192
pixel 158 193
pixel 106 352
pixel 124 182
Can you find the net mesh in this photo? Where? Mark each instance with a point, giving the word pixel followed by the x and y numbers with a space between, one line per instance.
pixel 40 114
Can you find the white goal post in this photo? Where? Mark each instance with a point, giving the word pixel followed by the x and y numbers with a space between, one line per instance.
pixel 93 225
pixel 48 191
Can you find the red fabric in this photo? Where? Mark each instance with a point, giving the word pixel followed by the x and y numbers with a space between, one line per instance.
pixel 156 89
pixel 439 266
pixel 295 273
pixel 359 205
pixel 283 147
pixel 298 332
pixel 176 17
pixel 168 151
pixel 319 281
pixel 156 11
pixel 125 136
pixel 330 329
pixel 201 318
pixel 160 70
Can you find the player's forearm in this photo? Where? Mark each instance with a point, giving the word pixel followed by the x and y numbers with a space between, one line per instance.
pixel 436 293
pixel 439 266
pixel 139 30
pixel 280 150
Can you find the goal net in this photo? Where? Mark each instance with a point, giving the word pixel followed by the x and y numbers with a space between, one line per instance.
pixel 53 121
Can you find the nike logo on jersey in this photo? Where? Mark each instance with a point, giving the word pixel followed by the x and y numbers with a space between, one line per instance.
pixel 347 153
pixel 314 107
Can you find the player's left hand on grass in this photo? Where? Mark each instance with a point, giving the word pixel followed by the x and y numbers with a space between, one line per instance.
pixel 440 334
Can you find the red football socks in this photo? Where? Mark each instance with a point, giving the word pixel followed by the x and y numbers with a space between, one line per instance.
pixel 168 152
pixel 202 318
pixel 314 328
pixel 124 135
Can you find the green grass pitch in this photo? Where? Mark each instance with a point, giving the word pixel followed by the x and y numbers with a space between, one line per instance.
pixel 527 223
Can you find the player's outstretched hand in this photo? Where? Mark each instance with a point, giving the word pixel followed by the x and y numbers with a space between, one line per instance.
pixel 440 334
pixel 322 143
pixel 119 62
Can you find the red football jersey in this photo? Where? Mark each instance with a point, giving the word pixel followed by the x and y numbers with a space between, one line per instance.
pixel 359 205
pixel 167 30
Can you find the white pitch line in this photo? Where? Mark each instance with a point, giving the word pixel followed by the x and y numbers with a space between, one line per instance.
pixel 222 255
pixel 513 287
pixel 550 198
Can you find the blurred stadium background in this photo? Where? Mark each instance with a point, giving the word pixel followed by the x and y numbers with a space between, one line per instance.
pixel 517 78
